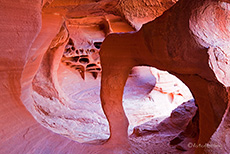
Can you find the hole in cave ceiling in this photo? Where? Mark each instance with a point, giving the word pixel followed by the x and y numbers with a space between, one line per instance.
pixel 97 44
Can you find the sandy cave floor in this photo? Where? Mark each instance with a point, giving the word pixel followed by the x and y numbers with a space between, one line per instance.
pixel 143 106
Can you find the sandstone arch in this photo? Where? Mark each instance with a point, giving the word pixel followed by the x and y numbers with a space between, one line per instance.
pixel 170 43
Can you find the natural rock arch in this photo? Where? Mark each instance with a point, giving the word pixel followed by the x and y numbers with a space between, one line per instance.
pixel 170 43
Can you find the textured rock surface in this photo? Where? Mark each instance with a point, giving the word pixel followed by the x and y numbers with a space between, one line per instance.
pixel 220 141
pixel 84 61
pixel 143 11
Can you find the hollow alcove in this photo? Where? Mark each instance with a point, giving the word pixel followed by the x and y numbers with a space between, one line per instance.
pixel 149 95
pixel 111 77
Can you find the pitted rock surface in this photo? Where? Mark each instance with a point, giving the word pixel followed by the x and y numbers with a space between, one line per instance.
pixel 83 61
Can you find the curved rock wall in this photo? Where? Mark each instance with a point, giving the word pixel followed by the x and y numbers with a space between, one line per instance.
pixel 28 38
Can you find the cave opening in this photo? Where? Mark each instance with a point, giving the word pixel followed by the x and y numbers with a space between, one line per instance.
pixel 150 96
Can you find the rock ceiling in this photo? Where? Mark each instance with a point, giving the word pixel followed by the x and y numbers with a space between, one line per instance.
pixel 112 12
pixel 91 21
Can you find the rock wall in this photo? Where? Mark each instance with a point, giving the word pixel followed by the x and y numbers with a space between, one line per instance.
pixel 20 25
pixel 26 35
pixel 24 39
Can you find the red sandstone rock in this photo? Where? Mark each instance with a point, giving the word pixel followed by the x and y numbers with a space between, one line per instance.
pixel 166 43
pixel 25 44
pixel 143 11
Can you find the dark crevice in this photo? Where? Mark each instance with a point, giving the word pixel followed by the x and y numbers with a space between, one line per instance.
pixel 97 45
pixel 84 60
pixel 91 65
